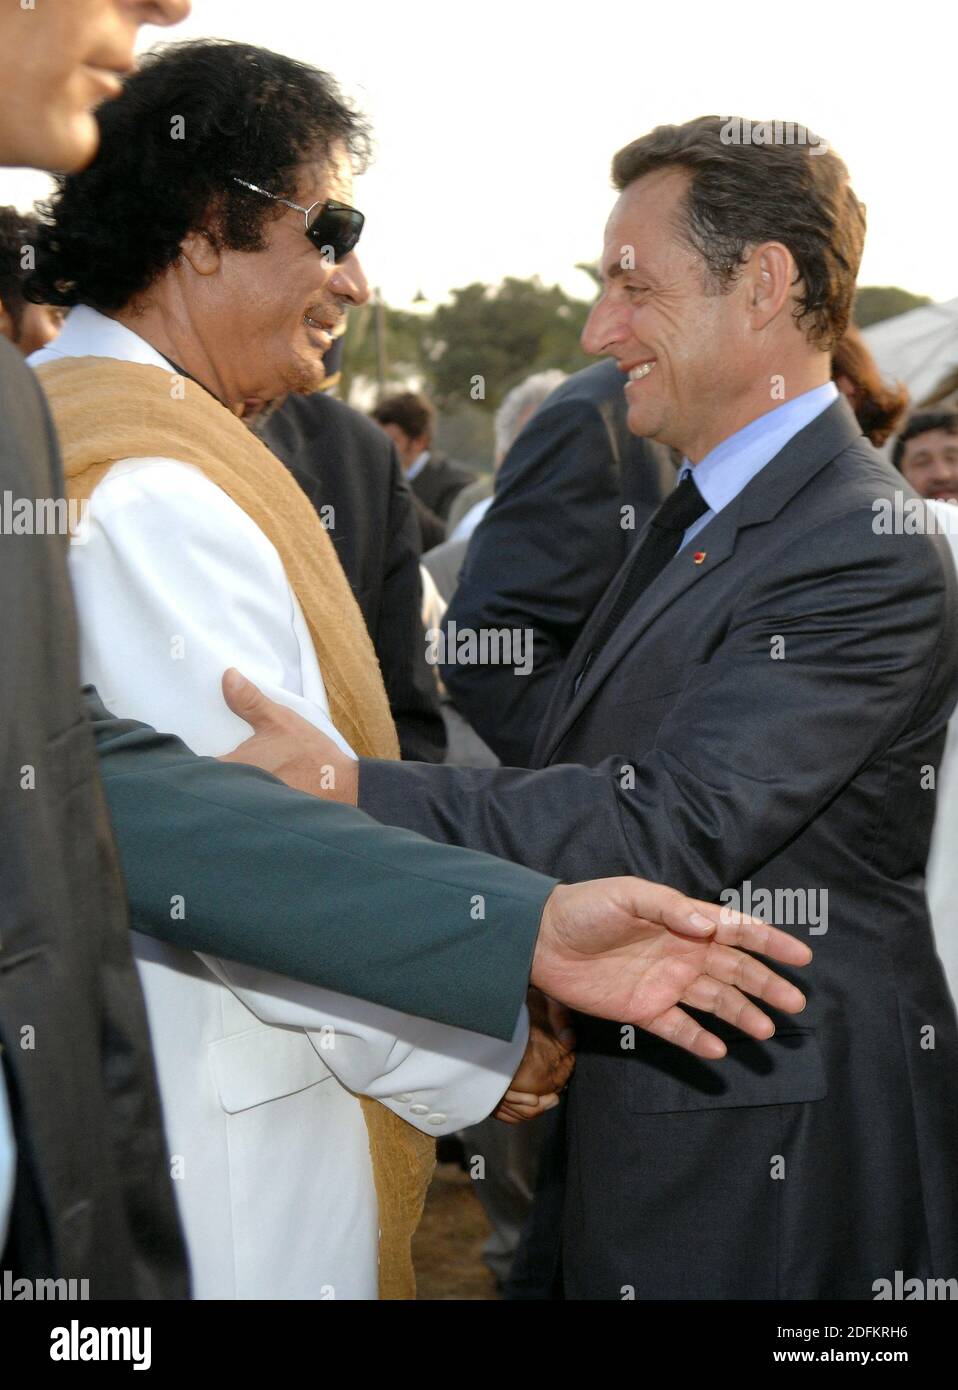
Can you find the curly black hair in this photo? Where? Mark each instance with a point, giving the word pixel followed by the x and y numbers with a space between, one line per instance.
pixel 193 117
pixel 789 188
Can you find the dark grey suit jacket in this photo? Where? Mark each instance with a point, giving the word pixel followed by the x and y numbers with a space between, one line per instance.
pixel 434 489
pixel 549 546
pixel 93 1197
pixel 702 751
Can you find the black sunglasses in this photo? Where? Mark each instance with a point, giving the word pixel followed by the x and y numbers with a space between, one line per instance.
pixel 334 228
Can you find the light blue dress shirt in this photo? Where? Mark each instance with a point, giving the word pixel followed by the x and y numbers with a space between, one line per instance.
pixel 417 465
pixel 731 465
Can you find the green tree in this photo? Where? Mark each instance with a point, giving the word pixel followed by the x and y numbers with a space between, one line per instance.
pixel 873 303
pixel 402 346
pixel 488 338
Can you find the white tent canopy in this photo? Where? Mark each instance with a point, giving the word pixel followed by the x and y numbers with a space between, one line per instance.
pixel 918 348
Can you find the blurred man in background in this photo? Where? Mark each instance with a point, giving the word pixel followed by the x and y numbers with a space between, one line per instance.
pixel 926 454
pixel 572 494
pixel 28 326
pixel 409 420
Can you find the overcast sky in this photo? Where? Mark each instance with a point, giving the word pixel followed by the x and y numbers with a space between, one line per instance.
pixel 495 122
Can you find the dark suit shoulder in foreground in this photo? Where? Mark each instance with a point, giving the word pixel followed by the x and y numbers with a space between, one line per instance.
pixel 93 1198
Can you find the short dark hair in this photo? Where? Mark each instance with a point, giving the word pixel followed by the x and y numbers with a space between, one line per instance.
pixel 241 112
pixel 409 410
pixel 923 422
pixel 17 231
pixel 791 190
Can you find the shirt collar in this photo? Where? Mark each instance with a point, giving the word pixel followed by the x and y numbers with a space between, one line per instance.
pixel 417 465
pixel 88 333
pixel 731 465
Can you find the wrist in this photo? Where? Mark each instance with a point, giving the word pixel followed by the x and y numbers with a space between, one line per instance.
pixel 543 956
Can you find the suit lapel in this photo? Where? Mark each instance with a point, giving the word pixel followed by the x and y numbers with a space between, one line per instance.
pixel 760 501
pixel 716 541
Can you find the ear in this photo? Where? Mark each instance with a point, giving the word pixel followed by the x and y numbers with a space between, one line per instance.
pixel 201 251
pixel 6 322
pixel 770 276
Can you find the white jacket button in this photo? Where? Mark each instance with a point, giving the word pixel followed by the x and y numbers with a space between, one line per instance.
pixel 403 1099
pixel 419 1109
pixel 436 1119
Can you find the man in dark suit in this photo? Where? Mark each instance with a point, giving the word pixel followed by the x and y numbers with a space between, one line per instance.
pixel 409 420
pixel 93 1198
pixel 571 495
pixel 755 711
pixel 80 1119
pixel 349 471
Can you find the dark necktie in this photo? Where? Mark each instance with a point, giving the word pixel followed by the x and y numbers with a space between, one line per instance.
pixel 661 542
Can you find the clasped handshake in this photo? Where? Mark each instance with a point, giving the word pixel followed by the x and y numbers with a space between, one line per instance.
pixel 616 948
pixel 634 951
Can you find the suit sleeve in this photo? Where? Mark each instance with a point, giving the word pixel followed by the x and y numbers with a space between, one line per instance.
pixel 432 529
pixel 864 628
pixel 556 517
pixel 436 1077
pixel 314 890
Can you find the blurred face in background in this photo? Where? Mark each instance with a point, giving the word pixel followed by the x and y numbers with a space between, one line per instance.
pixel 408 447
pixel 59 59
pixel 930 464
pixel 32 328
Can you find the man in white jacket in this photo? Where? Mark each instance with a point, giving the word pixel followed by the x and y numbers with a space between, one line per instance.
pixel 269 1150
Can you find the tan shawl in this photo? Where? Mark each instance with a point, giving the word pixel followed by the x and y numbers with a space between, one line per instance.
pixel 106 410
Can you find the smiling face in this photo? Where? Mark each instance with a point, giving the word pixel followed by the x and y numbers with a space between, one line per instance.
pixel 60 60
pixel 688 350
pixel 930 464
pixel 265 318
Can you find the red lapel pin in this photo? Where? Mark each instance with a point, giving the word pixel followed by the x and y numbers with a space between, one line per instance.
pixel 699 556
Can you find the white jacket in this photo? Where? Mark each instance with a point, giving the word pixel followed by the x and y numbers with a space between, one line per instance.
pixel 174 583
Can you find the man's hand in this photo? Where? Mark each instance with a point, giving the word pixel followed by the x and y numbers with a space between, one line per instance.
pixel 633 951
pixel 288 746
pixel 546 1063
pixel 618 948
